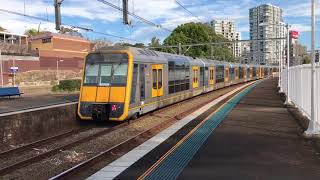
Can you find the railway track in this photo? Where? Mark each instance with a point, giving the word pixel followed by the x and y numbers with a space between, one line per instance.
pixel 40 142
pixel 24 162
pixel 127 144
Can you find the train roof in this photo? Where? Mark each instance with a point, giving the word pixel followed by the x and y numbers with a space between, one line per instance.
pixel 150 56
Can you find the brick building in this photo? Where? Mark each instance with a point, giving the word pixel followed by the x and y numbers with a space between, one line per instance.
pixel 53 47
pixel 40 53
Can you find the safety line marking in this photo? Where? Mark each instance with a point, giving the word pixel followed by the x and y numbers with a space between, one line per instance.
pixel 121 164
pixel 37 109
pixel 169 166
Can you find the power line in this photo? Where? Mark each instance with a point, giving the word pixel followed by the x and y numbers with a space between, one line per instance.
pixel 216 43
pixel 72 26
pixel 187 10
pixel 135 16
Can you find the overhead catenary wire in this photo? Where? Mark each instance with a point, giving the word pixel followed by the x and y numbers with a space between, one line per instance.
pixel 135 16
pixel 73 26
pixel 182 6
pixel 215 43
pixel 141 18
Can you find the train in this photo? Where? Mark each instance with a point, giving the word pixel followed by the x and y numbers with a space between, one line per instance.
pixel 123 83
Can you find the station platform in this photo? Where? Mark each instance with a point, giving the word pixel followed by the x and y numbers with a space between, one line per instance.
pixel 35 101
pixel 251 136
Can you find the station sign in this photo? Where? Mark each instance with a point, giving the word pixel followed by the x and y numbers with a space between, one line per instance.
pixel 294 34
pixel 14 69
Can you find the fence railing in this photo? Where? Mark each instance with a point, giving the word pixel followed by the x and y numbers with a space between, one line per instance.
pixel 300 89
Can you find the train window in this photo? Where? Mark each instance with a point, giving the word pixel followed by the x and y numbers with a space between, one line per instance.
pixel 119 74
pixel 142 81
pixel 134 83
pixel 202 77
pixel 105 74
pixel 254 72
pixel 154 77
pixel 219 74
pixel 91 73
pixel 159 78
pixel 179 74
pixel 241 73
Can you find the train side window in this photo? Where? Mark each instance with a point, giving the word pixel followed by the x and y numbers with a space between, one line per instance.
pixel 159 78
pixel 154 77
pixel 134 83
pixel 142 81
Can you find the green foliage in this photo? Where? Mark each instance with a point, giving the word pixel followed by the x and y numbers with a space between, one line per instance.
pixel 70 31
pixel 193 33
pixel 139 45
pixel 32 32
pixel 67 85
pixel 155 42
pixel 306 60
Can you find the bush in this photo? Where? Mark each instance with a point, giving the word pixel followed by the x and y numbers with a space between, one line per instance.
pixel 67 85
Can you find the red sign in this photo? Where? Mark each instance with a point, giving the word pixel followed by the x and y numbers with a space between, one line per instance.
pixel 294 34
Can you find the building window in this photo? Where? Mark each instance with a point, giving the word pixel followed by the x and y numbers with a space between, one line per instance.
pixel 47 40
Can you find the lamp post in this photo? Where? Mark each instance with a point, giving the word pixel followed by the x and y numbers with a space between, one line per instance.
pixel 58 70
pixel 313 128
pixel 281 63
pixel 288 100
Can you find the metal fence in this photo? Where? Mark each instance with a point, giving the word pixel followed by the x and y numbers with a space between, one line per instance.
pixel 300 88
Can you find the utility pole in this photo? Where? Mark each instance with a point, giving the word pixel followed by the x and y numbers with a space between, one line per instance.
pixel 125 8
pixel 179 49
pixel 313 128
pixel 288 100
pixel 57 5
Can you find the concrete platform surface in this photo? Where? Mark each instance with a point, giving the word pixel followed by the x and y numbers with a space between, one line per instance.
pixel 28 102
pixel 257 139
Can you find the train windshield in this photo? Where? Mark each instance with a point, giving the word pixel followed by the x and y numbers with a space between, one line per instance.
pixel 106 70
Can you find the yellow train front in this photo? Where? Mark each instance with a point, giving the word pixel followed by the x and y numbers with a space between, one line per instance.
pixel 105 89
pixel 120 83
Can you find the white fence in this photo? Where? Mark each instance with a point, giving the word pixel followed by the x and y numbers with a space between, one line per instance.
pixel 300 88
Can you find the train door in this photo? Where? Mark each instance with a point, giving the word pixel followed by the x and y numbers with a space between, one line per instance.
pixel 226 75
pixel 195 79
pixel 157 80
pixel 211 76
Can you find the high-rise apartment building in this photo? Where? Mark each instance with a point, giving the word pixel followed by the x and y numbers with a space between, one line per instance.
pixel 227 29
pixel 266 22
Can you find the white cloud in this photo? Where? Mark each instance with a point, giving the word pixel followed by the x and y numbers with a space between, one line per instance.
pixel 300 27
pixel 18 25
pixel 94 14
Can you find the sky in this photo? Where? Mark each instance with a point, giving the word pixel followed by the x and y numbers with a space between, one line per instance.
pixel 102 18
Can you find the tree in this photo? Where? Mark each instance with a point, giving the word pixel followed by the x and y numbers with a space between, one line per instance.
pixel 139 45
pixel 33 32
pixel 306 60
pixel 155 42
pixel 100 43
pixel 192 33
pixel 69 31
